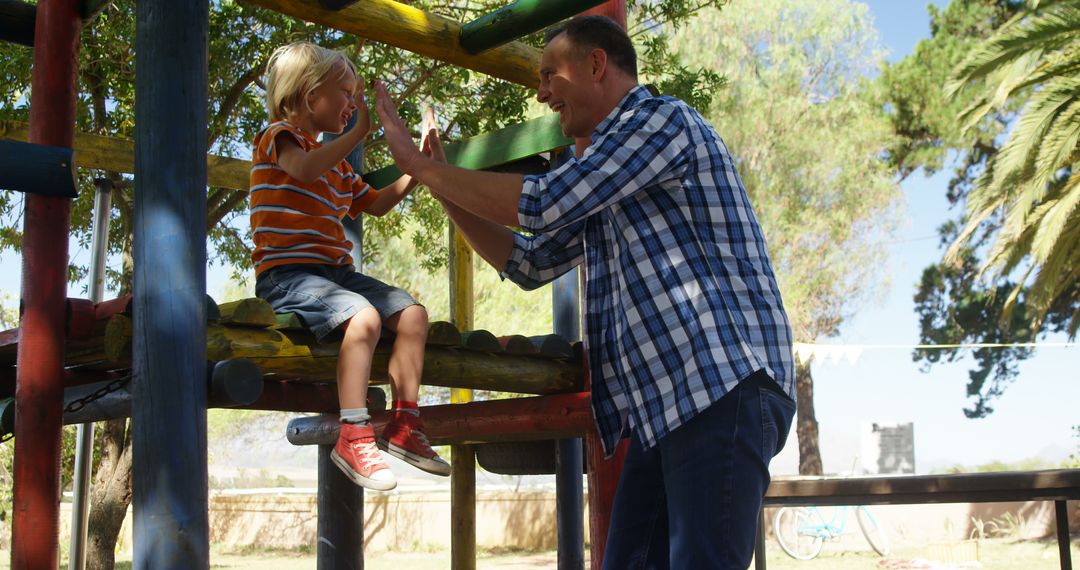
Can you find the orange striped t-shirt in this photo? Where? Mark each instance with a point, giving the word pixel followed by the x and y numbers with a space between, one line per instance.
pixel 293 222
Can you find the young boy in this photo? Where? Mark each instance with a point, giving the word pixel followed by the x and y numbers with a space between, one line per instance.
pixel 300 190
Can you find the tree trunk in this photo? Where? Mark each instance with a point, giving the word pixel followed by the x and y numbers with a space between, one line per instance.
pixel 807 426
pixel 110 495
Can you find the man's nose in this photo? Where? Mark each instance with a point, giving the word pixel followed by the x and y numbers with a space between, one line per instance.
pixel 543 94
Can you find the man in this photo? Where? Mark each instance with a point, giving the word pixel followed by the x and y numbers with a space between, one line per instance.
pixel 688 343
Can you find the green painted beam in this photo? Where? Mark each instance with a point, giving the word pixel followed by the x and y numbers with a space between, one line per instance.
pixel 493 149
pixel 516 20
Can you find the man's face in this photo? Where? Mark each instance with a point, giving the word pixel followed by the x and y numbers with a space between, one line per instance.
pixel 568 87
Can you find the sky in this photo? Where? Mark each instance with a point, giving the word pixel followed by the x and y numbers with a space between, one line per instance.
pixel 1033 418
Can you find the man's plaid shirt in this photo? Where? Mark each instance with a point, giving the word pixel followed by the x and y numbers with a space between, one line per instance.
pixel 680 298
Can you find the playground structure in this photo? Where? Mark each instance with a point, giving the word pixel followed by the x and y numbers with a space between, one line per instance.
pixel 166 353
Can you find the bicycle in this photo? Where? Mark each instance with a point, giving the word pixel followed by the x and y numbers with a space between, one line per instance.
pixel 802 531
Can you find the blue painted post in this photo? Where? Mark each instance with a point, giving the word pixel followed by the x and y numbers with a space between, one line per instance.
pixel 341 502
pixel 169 328
pixel 569 498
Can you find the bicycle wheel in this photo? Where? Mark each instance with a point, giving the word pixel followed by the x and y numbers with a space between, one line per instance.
pixel 796 533
pixel 873 531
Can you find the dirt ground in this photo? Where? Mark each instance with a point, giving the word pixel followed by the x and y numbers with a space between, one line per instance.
pixel 994 554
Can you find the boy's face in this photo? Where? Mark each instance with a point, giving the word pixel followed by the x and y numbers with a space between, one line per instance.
pixel 333 103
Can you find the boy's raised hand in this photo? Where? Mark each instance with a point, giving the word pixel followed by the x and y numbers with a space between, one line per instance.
pixel 363 114
pixel 398 138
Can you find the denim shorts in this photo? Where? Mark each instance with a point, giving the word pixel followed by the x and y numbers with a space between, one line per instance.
pixel 325 296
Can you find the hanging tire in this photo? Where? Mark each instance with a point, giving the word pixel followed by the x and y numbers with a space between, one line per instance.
pixel 873 531
pixel 794 529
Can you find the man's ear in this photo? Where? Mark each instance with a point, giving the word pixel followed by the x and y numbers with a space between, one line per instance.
pixel 598 61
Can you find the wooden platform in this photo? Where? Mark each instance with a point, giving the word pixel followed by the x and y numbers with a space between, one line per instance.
pixel 99 341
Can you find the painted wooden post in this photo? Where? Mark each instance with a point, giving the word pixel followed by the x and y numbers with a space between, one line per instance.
pixel 39 387
pixel 341 502
pixel 341 517
pixel 463 476
pixel 603 473
pixel 169 479
pixel 569 499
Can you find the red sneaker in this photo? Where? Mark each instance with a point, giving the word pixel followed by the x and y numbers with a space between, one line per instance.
pixel 404 438
pixel 358 457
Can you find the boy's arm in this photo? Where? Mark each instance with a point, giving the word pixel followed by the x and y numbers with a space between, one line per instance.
pixel 391 195
pixel 308 166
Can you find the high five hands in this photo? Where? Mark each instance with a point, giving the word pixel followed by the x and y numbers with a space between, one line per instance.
pixel 406 155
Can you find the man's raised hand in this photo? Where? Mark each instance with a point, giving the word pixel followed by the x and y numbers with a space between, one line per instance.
pixel 430 143
pixel 398 138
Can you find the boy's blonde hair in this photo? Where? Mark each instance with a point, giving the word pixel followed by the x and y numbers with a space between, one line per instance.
pixel 296 70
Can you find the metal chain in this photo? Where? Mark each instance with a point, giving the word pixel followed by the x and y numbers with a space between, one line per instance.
pixel 112 386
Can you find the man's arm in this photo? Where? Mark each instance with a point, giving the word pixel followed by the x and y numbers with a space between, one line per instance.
pixel 492 241
pixel 492 196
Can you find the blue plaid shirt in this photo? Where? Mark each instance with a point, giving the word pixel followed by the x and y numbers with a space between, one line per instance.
pixel 680 298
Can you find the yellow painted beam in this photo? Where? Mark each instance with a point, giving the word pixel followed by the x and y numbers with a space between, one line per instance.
pixel 118 155
pixel 420 32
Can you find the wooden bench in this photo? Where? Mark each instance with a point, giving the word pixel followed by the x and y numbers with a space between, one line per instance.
pixel 1059 485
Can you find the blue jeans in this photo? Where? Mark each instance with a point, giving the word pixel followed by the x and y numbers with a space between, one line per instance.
pixel 692 500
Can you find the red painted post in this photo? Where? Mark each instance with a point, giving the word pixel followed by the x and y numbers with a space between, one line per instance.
pixel 603 473
pixel 39 387
pixel 614 9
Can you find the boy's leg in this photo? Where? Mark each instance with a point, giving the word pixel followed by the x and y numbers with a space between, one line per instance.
pixel 356 452
pixel 315 293
pixel 354 357
pixel 404 436
pixel 716 471
pixel 638 533
pixel 406 366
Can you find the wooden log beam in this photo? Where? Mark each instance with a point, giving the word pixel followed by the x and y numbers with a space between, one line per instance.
pixel 420 32
pixel 516 20
pixel 296 355
pixel 17 22
pixel 515 419
pixel 253 312
pixel 230 384
pixel 37 169
pixel 118 155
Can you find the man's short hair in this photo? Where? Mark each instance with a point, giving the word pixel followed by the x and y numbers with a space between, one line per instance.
pixel 587 33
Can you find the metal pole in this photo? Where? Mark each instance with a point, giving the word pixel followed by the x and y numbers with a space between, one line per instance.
pixel 39 388
pixel 169 479
pixel 84 435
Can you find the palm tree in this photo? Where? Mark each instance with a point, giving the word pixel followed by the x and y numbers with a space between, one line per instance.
pixel 1030 191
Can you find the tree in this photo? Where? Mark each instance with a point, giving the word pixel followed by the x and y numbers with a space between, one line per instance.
pixel 955 304
pixel 1034 182
pixel 241 40
pixel 800 117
